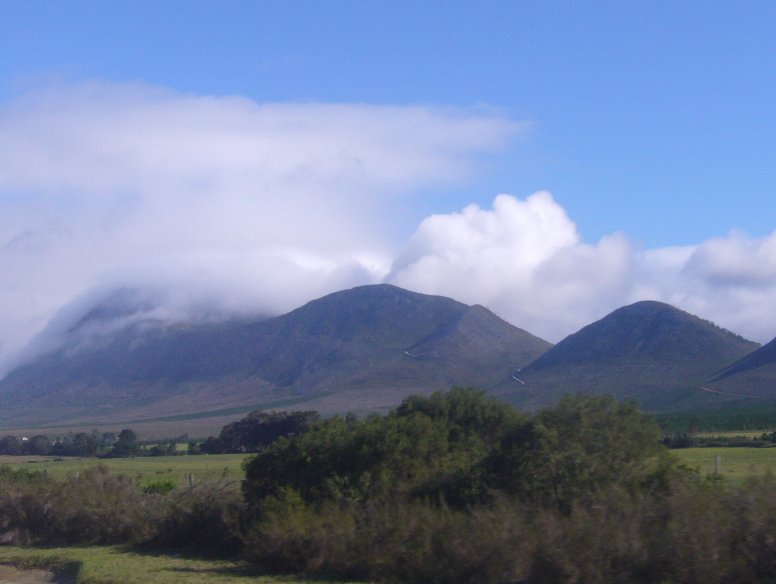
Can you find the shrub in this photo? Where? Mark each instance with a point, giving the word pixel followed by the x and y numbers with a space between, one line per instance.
pixel 94 507
pixel 204 518
pixel 160 487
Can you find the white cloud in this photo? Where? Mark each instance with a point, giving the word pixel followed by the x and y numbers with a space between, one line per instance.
pixel 733 280
pixel 525 260
pixel 253 207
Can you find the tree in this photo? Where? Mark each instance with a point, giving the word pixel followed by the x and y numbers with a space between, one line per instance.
pixel 164 448
pixel 259 429
pixel 428 448
pixel 581 445
pixel 126 445
pixel 10 445
pixel 39 444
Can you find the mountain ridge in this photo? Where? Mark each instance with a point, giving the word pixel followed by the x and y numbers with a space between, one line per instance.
pixel 352 339
pixel 649 350
pixel 365 349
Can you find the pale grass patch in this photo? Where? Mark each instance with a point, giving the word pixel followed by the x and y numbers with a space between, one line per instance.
pixel 112 565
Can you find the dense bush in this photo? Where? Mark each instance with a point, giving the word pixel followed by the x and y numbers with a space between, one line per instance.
pixel 574 449
pixel 391 541
pixel 462 447
pixel 204 518
pixel 427 448
pixel 696 531
pixel 100 507
pixel 459 488
pixel 93 507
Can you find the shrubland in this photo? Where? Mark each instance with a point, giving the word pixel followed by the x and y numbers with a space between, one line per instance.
pixel 454 487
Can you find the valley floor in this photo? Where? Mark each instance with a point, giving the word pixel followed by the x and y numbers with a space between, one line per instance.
pixel 201 467
pixel 734 464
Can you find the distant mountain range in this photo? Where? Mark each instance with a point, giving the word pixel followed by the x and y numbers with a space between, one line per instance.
pixel 367 348
pixel 360 349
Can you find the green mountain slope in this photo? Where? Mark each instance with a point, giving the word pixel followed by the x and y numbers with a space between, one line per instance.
pixel 649 351
pixel 750 380
pixel 363 348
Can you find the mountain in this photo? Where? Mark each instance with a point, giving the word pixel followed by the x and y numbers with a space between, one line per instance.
pixel 358 349
pixel 751 379
pixel 649 351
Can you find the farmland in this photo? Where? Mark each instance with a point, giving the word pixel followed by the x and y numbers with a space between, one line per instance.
pixel 735 464
pixel 202 468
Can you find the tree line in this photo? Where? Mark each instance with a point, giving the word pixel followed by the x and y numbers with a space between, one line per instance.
pixel 105 444
pixel 255 431
pixel 723 419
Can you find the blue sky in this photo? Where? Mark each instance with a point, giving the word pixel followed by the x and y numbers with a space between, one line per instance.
pixel 651 123
pixel 655 118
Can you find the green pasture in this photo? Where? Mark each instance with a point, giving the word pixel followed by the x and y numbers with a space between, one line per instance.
pixel 735 464
pixel 201 467
pixel 733 434
pixel 109 565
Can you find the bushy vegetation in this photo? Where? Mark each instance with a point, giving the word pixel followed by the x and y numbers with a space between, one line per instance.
pixel 93 507
pixel 254 432
pixel 451 488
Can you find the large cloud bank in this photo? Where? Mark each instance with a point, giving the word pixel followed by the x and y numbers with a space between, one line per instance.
pixel 220 206
pixel 525 260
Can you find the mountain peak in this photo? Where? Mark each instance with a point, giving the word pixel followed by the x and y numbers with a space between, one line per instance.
pixel 648 350
pixel 646 332
pixel 380 341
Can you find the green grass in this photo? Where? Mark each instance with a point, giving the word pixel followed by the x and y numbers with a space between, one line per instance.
pixel 202 467
pixel 736 464
pixel 111 565
pixel 734 434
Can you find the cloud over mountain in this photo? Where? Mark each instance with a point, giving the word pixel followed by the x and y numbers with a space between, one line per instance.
pixel 525 260
pixel 244 206
pixel 220 206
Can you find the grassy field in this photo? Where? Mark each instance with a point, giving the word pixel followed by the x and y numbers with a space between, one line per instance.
pixel 735 464
pixel 202 467
pixel 111 565
pixel 734 434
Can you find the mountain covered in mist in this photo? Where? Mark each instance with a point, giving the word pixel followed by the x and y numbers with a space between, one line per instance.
pixel 359 349
pixel 367 348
